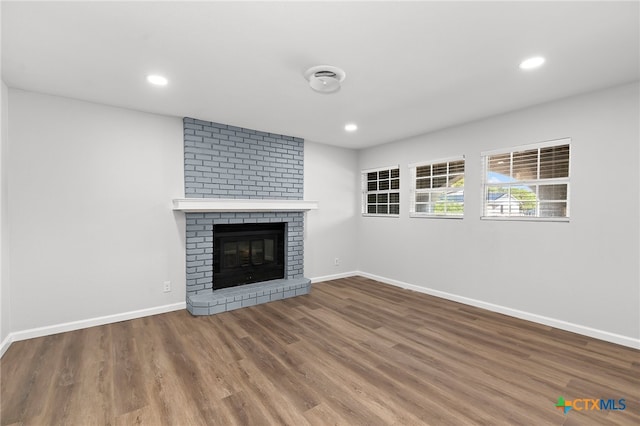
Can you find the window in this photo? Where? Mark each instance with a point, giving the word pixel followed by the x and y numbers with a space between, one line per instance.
pixel 381 191
pixel 528 182
pixel 437 188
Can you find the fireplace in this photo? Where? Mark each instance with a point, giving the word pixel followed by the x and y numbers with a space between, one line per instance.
pixel 245 213
pixel 247 253
pixel 205 223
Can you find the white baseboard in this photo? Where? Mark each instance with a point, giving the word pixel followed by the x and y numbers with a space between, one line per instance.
pixel 334 277
pixel 562 325
pixel 91 322
pixel 5 344
pixel 552 322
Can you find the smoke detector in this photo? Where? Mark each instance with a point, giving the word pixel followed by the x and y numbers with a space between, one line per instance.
pixel 325 78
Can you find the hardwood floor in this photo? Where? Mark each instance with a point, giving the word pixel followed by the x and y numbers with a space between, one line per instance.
pixel 353 352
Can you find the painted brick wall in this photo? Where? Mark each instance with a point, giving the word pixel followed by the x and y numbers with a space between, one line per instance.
pixel 223 161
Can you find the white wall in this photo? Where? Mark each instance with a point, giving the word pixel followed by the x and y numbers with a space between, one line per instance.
pixel 584 272
pixel 330 177
pixel 92 230
pixel 5 289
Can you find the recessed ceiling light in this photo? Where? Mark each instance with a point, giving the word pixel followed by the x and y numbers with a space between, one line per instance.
pixel 351 127
pixel 532 63
pixel 158 80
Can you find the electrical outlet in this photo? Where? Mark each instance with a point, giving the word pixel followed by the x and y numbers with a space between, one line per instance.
pixel 336 262
pixel 166 286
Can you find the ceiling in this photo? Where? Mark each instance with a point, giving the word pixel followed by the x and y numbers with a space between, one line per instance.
pixel 411 67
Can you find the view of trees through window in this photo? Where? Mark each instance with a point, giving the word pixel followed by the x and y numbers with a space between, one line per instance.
pixel 532 182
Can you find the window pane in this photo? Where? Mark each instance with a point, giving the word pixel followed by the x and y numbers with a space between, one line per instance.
pixel 525 164
pixel 423 171
pixel 372 176
pixel 382 209
pixel 456 181
pixel 553 192
pixel 372 186
pixel 457 196
pixel 371 198
pixel 421 208
pixel 554 162
pixel 383 185
pixel 422 198
pixel 395 173
pixel 455 209
pixel 395 184
pixel 424 183
pixel 437 196
pixel 394 209
pixel 500 164
pixel 439 182
pixel 383 198
pixel 499 202
pixel 456 166
pixel 394 197
pixel 371 209
pixel 383 174
pixel 553 209
pixel 440 169
pixel 522 200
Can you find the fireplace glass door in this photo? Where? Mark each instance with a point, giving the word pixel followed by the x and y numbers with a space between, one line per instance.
pixel 247 253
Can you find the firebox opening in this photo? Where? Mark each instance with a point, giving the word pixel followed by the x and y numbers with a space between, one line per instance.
pixel 247 253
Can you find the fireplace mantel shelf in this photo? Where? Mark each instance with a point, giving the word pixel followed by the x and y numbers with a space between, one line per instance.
pixel 203 205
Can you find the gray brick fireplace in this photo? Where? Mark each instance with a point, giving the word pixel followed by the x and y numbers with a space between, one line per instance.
pixel 235 175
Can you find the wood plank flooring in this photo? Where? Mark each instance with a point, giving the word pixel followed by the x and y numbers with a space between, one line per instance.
pixel 353 352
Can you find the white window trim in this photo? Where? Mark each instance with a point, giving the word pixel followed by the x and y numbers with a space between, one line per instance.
pixel 567 180
pixel 365 192
pixel 545 144
pixel 377 169
pixel 413 190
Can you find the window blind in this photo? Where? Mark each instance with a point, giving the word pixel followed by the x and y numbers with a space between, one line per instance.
pixel 381 191
pixel 528 182
pixel 438 188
